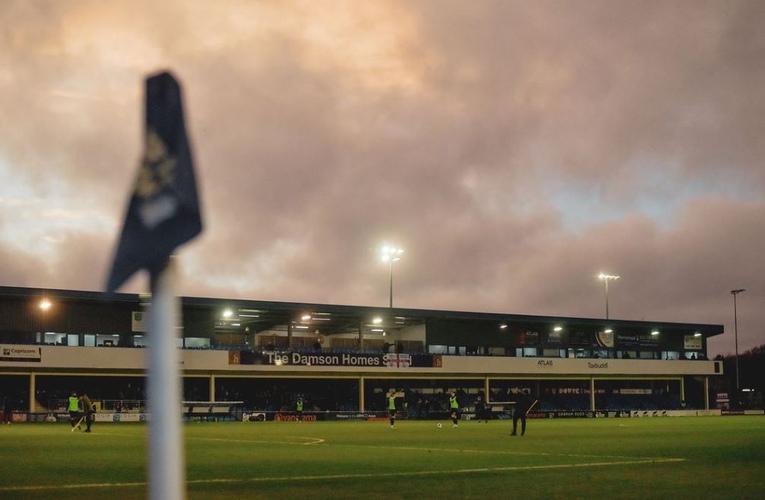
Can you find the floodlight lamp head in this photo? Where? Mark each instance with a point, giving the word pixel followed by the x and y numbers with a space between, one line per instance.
pixel 391 253
pixel 604 276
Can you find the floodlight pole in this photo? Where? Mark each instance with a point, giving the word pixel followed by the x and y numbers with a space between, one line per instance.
pixel 391 255
pixel 735 333
pixel 390 267
pixel 607 278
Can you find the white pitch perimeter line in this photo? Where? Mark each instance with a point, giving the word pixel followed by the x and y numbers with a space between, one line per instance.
pixel 348 476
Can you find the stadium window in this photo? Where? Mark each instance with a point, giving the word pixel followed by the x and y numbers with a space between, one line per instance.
pixel 529 352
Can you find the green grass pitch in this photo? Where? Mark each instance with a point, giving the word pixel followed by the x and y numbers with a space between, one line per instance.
pixel 703 457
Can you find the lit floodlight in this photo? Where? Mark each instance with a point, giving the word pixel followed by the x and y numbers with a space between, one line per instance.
pixel 390 254
pixel 606 278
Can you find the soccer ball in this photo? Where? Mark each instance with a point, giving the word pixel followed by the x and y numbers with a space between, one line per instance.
pixel 438 425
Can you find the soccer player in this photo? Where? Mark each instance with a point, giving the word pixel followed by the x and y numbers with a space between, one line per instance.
pixel 299 409
pixel 74 408
pixel 392 407
pixel 454 407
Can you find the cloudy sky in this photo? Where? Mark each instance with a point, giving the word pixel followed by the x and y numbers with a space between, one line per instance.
pixel 514 149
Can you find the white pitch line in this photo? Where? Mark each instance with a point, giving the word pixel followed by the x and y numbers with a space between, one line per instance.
pixel 438 472
pixel 500 452
pixel 349 476
pixel 316 441
pixel 310 441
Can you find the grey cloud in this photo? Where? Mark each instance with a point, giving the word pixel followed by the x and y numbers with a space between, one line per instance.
pixel 306 164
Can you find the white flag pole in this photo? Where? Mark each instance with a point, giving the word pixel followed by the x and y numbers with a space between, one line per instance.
pixel 166 471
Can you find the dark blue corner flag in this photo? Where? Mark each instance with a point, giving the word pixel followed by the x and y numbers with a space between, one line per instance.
pixel 164 208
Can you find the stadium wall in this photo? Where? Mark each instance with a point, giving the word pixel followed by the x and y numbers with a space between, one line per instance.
pixel 115 359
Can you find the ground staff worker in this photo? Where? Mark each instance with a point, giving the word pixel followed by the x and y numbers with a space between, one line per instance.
pixel 74 408
pixel 87 407
pixel 522 406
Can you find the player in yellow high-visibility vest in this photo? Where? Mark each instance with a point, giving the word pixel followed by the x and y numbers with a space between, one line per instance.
pixel 392 408
pixel 74 408
pixel 454 408
pixel 299 410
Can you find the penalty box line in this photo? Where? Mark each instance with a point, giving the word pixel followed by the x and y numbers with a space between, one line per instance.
pixel 349 476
